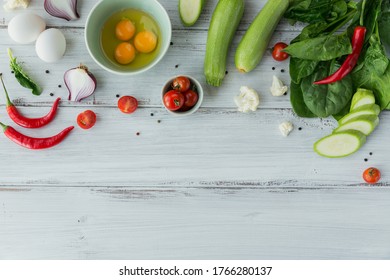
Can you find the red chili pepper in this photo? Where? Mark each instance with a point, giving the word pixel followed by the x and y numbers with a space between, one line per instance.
pixel 34 143
pixel 351 60
pixel 21 120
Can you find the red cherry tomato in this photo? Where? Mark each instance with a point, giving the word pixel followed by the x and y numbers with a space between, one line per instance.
pixel 278 53
pixel 173 100
pixel 86 119
pixel 181 84
pixel 191 97
pixel 127 104
pixel 371 175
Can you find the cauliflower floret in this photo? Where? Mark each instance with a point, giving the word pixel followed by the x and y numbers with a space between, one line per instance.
pixel 285 128
pixel 13 4
pixel 278 88
pixel 247 100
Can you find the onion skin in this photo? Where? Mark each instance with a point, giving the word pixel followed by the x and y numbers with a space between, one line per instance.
pixel 78 92
pixel 68 13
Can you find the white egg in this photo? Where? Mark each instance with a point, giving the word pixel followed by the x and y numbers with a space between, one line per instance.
pixel 25 28
pixel 50 45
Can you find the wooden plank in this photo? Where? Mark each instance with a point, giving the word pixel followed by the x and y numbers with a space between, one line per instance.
pixel 187 42
pixel 209 148
pixel 252 7
pixel 148 85
pixel 188 223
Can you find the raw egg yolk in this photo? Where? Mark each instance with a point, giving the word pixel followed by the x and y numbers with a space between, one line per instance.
pixel 124 53
pixel 124 30
pixel 145 41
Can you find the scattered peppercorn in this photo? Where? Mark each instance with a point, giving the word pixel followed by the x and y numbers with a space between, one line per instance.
pixel 226 72
pixel 59 86
pixel 177 66
pixel 159 121
pixel 138 133
pixel 273 68
pixel 151 114
pixel 282 70
pixel 366 159
pixel 285 93
pixel 299 128
pixel 117 96
pixel 370 153
pixel 47 71
pixel 171 43
pixel 51 94
pixel 12 72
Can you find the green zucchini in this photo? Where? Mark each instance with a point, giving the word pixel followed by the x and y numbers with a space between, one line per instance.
pixel 223 25
pixel 340 144
pixel 362 97
pixel 370 109
pixel 365 124
pixel 190 11
pixel 256 39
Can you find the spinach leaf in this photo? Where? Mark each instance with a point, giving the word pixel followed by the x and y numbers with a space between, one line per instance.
pixel 375 59
pixel 321 48
pixel 297 102
pixel 379 84
pixel 311 11
pixel 343 111
pixel 330 99
pixel 22 77
pixel 301 68
pixel 384 25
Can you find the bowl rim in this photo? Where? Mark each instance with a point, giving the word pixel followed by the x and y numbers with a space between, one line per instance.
pixel 163 51
pixel 200 95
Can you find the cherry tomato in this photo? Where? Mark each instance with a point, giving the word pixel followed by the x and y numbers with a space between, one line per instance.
pixel 181 83
pixel 191 97
pixel 86 119
pixel 371 175
pixel 278 53
pixel 173 100
pixel 127 104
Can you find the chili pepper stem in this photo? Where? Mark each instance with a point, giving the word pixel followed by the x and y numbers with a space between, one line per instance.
pixel 9 103
pixel 3 125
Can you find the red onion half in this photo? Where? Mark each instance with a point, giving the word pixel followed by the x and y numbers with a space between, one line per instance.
pixel 66 9
pixel 80 83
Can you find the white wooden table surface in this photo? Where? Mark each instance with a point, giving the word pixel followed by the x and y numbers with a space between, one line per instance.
pixel 215 185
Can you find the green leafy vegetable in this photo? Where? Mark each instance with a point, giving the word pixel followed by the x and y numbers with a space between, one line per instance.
pixel 312 11
pixel 297 102
pixel 313 56
pixel 321 48
pixel 384 25
pixel 22 77
pixel 301 68
pixel 326 100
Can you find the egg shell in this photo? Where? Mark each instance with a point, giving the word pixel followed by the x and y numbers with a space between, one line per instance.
pixel 50 45
pixel 25 28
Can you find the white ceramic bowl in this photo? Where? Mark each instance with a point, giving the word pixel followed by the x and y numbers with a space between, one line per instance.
pixel 167 87
pixel 103 10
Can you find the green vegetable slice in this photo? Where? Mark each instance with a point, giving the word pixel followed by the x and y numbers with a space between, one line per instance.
pixel 340 144
pixel 365 124
pixel 372 109
pixel 362 97
pixel 22 77
pixel 190 11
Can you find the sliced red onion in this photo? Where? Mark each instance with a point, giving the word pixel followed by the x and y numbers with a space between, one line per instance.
pixel 80 83
pixel 66 9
